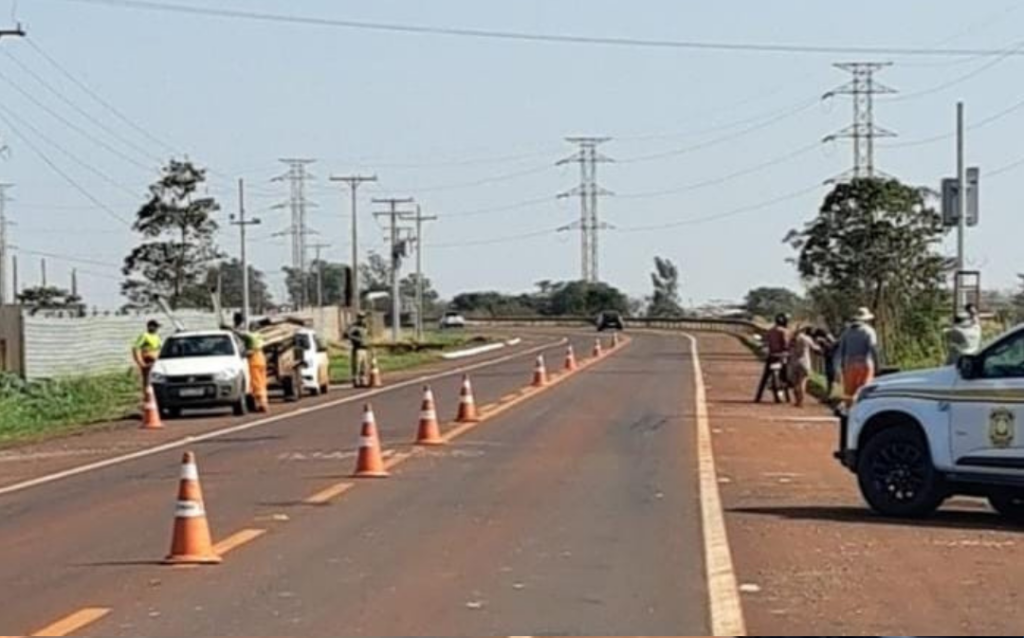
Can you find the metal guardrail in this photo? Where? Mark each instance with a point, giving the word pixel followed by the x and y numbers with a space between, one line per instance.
pixel 731 326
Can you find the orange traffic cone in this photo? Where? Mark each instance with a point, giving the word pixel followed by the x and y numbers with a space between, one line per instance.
pixel 598 351
pixel 570 359
pixel 151 411
pixel 371 462
pixel 430 431
pixel 540 373
pixel 191 544
pixel 376 381
pixel 467 404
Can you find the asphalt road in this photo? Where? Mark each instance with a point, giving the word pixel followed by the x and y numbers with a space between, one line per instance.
pixel 573 512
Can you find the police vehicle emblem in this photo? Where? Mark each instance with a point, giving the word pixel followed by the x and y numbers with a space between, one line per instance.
pixel 1002 428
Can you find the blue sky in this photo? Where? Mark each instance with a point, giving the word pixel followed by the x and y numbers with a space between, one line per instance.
pixel 465 125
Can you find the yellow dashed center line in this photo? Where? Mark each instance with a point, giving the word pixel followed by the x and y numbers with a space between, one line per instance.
pixel 235 541
pixel 326 496
pixel 74 622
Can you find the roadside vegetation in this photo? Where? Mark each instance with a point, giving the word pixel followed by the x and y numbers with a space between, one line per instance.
pixel 36 410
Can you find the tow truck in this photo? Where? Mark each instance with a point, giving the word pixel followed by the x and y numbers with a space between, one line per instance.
pixel 915 439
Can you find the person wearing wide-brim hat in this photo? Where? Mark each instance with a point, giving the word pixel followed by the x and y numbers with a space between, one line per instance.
pixel 857 353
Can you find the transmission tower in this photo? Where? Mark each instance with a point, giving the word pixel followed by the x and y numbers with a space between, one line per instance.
pixel 589 193
pixel 298 204
pixel 862 88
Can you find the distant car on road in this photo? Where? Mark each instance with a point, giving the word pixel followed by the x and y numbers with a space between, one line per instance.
pixel 610 320
pixel 452 320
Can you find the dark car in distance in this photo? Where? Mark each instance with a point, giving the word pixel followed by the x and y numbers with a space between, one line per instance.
pixel 610 320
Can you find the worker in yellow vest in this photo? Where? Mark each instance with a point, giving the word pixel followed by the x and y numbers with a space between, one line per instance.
pixel 257 364
pixel 146 351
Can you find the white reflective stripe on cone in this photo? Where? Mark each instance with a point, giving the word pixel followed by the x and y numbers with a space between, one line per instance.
pixel 428 414
pixel 189 509
pixel 367 441
pixel 189 472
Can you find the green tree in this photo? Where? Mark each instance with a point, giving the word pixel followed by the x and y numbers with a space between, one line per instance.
pixel 335 283
pixel 49 298
pixel 431 297
pixel 1018 301
pixel 177 250
pixel 579 298
pixel 493 304
pixel 768 302
pixel 665 301
pixel 230 275
pixel 875 243
pixel 375 274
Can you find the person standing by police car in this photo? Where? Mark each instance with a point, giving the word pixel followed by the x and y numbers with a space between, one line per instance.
pixel 857 354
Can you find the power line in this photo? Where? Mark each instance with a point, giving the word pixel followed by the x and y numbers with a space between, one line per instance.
pixel 1010 110
pixel 74 158
pixel 496 240
pixel 69 258
pixel 32 42
pixel 81 111
pixel 500 209
pixel 800 108
pixel 725 215
pixel 505 177
pixel 551 38
pixel 71 125
pixel 724 178
pixel 962 78
pixel 53 166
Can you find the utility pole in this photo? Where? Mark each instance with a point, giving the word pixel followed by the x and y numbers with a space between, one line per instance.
pixel 862 88
pixel 16 32
pixel 397 252
pixel 354 182
pixel 589 193
pixel 961 172
pixel 319 274
pixel 297 176
pixel 243 224
pixel 14 278
pixel 42 271
pixel 4 243
pixel 74 282
pixel 419 219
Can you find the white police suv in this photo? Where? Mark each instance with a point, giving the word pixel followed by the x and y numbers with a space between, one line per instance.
pixel 915 439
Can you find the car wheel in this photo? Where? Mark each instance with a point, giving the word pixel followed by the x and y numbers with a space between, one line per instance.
pixel 1010 504
pixel 240 407
pixel 324 389
pixel 897 477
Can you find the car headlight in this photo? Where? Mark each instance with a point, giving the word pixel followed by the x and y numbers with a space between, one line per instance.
pixel 226 375
pixel 157 377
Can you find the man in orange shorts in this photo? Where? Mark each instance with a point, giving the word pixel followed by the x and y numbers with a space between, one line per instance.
pixel 857 354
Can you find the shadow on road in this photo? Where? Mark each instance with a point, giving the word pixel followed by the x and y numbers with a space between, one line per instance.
pixel 947 519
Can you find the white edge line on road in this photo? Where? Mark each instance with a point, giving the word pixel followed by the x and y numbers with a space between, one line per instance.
pixel 472 352
pixel 723 590
pixel 244 427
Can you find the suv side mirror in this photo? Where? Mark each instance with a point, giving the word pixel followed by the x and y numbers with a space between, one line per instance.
pixel 968 365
